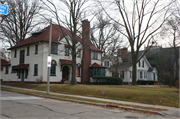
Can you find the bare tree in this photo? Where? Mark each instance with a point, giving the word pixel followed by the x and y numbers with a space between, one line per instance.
pixel 171 31
pixel 5 54
pixel 70 18
pixel 171 28
pixel 140 20
pixel 104 35
pixel 116 61
pixel 18 23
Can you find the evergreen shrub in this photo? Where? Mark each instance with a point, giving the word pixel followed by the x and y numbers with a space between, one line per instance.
pixel 107 80
pixel 142 82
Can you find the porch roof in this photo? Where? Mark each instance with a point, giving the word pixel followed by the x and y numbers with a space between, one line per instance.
pixel 97 65
pixel 63 61
pixel 22 66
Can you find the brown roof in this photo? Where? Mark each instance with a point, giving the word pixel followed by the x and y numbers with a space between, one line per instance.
pixel 3 62
pixel 43 35
pixel 96 65
pixel 92 47
pixel 22 66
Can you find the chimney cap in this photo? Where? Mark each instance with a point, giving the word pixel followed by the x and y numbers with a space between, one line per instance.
pixel 85 20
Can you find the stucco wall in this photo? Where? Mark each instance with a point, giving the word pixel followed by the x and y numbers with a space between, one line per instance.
pixel 41 60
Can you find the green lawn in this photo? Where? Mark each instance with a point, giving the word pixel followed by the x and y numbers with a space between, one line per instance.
pixel 150 95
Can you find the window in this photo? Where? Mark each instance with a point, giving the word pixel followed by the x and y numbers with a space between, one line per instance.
pixel 27 51
pixel 130 72
pixel 15 53
pixel 94 55
pixel 106 63
pixel 54 49
pixel 141 74
pixel 36 49
pixel 142 63
pixel 66 51
pixel 53 70
pixel 26 73
pixel 97 72
pixel 6 70
pixel 21 59
pixel 12 69
pixel 35 69
pixel 102 72
pixel 79 53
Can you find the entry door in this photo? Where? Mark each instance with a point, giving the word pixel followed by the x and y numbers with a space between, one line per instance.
pixel 22 76
pixel 65 72
pixel 154 76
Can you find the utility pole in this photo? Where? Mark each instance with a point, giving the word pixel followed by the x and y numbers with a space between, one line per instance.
pixel 49 54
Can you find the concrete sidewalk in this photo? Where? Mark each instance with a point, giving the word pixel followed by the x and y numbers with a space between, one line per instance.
pixel 171 111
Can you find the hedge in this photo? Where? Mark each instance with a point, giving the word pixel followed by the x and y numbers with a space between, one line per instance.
pixel 107 80
pixel 142 82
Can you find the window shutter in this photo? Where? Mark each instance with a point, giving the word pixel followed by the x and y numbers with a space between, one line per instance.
pixel 139 63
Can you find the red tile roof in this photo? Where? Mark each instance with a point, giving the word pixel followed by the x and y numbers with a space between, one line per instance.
pixel 63 61
pixel 92 47
pixel 96 65
pixel 22 66
pixel 43 35
pixel 3 62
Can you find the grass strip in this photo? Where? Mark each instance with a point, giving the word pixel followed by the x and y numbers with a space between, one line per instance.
pixel 82 99
pixel 154 95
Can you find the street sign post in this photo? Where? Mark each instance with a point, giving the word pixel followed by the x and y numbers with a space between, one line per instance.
pixel 3 9
pixel 49 58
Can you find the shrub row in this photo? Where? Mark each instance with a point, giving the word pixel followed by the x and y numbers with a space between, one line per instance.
pixel 142 82
pixel 107 80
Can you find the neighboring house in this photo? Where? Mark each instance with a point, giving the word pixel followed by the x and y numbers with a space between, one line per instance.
pixel 29 57
pixel 144 70
pixel 112 64
pixel 107 63
pixel 6 65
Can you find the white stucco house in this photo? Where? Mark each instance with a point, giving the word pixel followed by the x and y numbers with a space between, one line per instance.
pixel 144 70
pixel 29 58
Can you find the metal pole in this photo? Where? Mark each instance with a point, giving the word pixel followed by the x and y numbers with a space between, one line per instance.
pixel 49 53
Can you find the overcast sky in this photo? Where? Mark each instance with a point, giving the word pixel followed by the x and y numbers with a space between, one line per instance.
pixel 110 8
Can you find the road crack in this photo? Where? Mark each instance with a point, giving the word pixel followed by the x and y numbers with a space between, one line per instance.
pixel 6 116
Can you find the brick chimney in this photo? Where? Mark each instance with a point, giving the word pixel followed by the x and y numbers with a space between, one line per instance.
pixel 86 58
pixel 124 54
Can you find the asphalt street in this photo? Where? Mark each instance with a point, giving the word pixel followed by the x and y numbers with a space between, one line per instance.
pixel 16 106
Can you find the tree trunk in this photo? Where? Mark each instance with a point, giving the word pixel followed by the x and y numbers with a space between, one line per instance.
pixel 134 73
pixel 73 78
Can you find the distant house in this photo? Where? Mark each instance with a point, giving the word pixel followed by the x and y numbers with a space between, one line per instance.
pixel 29 57
pixel 144 70
pixel 6 66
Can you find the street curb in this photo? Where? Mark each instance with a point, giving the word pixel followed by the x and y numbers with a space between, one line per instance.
pixel 91 103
